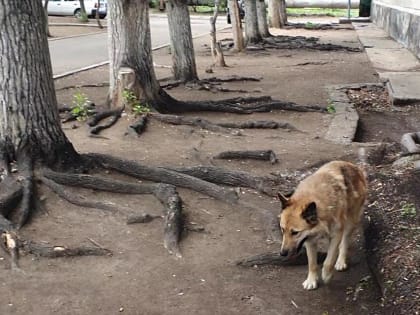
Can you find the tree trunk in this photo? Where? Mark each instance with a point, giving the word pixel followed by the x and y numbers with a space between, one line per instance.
pixel 262 19
pixel 47 29
pixel 274 13
pixel 253 36
pixel 237 32
pixel 130 46
pixel 216 49
pixel 29 121
pixel 283 13
pixel 83 16
pixel 98 20
pixel 182 48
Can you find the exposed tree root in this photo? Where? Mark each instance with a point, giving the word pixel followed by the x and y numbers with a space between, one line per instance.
pixel 98 183
pixel 301 42
pixel 172 203
pixel 212 80
pixel 191 121
pixel 27 179
pixel 222 176
pixel 80 200
pixel 220 127
pixel 159 174
pixel 67 115
pixel 141 218
pixel 140 125
pixel 277 259
pixel 115 114
pixel 264 155
pixel 236 105
pixel 316 26
pixel 49 251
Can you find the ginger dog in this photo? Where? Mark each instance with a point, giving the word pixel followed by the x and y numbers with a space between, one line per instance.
pixel 327 203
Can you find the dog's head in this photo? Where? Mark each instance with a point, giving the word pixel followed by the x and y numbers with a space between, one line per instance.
pixel 298 220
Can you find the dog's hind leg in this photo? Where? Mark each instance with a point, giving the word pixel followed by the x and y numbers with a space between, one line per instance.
pixel 312 281
pixel 341 263
pixel 328 266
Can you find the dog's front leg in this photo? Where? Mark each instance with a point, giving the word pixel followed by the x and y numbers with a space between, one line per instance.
pixel 312 281
pixel 327 268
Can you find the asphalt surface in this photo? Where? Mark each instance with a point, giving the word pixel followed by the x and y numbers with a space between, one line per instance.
pixel 70 54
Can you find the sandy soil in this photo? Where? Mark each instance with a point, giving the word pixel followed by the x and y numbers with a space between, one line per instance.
pixel 141 277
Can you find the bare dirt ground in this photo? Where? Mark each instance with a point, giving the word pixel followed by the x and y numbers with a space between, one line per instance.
pixel 141 277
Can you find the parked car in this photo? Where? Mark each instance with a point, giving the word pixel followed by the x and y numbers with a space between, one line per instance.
pixel 72 7
pixel 241 6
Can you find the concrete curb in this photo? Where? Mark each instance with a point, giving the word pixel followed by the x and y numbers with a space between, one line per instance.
pixel 72 36
pixel 343 126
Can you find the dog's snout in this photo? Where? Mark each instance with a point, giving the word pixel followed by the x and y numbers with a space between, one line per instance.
pixel 284 252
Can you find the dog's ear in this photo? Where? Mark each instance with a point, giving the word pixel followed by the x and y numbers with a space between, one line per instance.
pixel 309 214
pixel 283 199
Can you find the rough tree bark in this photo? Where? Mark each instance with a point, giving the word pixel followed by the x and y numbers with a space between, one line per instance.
pixel 83 16
pixel 182 48
pixel 216 49
pixel 283 13
pixel 262 18
pixel 237 32
pixel 29 121
pixel 130 46
pixel 274 13
pixel 252 33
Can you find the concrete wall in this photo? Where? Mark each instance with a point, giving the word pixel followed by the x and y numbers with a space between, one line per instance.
pixel 401 20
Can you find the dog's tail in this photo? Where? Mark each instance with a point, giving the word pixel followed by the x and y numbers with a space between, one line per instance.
pixel 363 160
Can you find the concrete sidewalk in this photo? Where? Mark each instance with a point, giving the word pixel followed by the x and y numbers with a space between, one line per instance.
pixel 395 64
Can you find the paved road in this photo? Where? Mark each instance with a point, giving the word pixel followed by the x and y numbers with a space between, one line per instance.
pixel 77 52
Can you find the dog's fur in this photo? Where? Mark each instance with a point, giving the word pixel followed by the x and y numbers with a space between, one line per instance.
pixel 327 203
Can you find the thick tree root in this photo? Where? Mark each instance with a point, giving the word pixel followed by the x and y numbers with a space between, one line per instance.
pixel 166 194
pixel 114 114
pixel 236 105
pixel 301 42
pixel 25 166
pixel 191 121
pixel 141 218
pixel 264 155
pixel 316 26
pixel 66 112
pixel 139 126
pixel 211 81
pixel 99 183
pixel 81 201
pixel 159 174
pixel 10 244
pixel 173 220
pixel 277 260
pixel 223 176
pixel 49 251
pixel 220 127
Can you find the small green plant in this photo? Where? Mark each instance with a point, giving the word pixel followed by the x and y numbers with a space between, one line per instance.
pixel 136 106
pixel 408 209
pixel 310 25
pixel 81 106
pixel 331 108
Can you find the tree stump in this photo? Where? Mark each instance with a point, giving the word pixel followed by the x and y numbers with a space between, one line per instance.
pixel 125 81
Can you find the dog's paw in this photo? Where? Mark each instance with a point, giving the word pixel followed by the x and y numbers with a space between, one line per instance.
pixel 340 265
pixel 326 275
pixel 311 283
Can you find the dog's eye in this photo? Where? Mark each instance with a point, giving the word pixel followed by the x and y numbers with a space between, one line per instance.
pixel 295 232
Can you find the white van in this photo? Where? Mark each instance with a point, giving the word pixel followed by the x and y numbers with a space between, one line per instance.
pixel 72 7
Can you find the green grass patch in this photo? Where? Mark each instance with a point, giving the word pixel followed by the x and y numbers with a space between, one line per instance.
pixel 322 12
